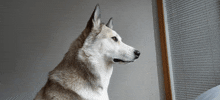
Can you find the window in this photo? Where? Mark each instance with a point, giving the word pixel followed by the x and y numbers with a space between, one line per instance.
pixel 190 44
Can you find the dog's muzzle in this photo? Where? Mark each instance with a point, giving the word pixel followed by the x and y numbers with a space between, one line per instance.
pixel 136 56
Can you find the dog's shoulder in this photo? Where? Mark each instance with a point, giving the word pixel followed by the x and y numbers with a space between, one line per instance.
pixel 54 91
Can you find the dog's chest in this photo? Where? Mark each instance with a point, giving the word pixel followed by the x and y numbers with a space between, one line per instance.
pixel 88 94
pixel 101 93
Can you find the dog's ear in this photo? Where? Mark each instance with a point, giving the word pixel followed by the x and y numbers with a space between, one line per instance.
pixel 95 19
pixel 110 23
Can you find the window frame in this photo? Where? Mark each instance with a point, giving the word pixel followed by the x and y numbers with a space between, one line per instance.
pixel 164 51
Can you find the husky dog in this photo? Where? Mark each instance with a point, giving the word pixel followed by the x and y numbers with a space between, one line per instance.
pixel 85 71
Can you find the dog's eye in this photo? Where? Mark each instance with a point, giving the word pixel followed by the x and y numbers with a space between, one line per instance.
pixel 115 38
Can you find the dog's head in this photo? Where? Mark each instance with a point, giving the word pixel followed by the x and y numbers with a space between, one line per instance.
pixel 104 42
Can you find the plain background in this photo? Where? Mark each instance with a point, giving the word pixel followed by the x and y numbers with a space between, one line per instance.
pixel 35 35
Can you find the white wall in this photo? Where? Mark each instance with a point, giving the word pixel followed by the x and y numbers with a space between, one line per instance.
pixel 35 35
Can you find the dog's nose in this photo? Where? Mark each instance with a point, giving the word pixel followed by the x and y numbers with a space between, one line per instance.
pixel 137 54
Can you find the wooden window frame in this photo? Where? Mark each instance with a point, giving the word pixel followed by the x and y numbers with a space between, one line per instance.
pixel 165 63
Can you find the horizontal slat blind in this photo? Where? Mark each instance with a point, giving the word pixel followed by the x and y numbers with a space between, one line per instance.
pixel 194 36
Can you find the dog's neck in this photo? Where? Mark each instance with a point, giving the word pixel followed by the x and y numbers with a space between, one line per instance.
pixel 90 74
pixel 100 70
pixel 98 63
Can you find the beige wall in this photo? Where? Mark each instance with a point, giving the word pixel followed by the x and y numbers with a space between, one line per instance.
pixel 35 35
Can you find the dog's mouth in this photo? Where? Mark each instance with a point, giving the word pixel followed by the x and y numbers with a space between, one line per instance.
pixel 120 60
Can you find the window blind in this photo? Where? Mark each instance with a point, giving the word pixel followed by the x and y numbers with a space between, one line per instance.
pixel 193 30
